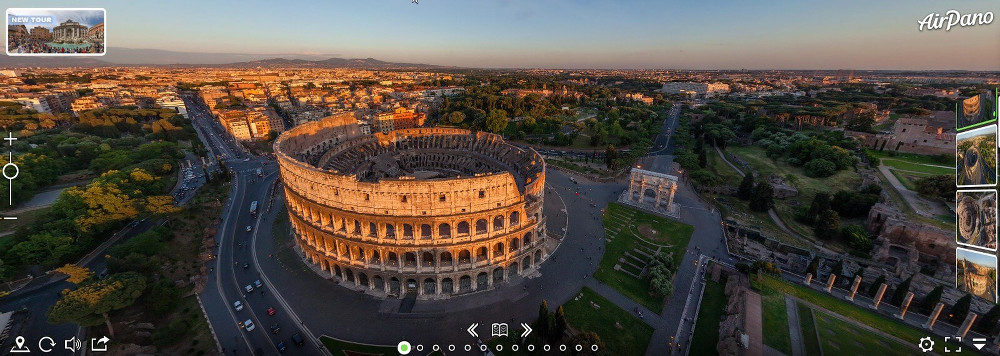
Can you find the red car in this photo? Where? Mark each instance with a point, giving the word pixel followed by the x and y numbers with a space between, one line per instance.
pixel 271 311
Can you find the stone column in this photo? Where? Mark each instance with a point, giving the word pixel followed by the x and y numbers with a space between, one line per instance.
pixel 969 319
pixel 879 295
pixel 670 200
pixel 931 319
pixel 905 305
pixel 854 288
pixel 829 283
pixel 809 278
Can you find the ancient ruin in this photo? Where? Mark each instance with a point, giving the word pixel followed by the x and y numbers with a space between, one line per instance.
pixel 651 190
pixel 425 211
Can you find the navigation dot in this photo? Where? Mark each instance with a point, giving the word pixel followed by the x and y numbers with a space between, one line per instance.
pixel 404 348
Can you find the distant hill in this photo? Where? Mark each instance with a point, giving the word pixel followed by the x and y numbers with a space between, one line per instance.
pixel 154 57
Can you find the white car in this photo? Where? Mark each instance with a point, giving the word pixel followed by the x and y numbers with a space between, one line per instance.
pixel 249 228
pixel 249 288
pixel 237 305
pixel 248 325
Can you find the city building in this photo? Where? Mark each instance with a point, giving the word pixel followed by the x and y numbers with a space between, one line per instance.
pixel 694 88
pixel 39 33
pixel 96 32
pixel 427 211
pixel 85 103
pixel 17 32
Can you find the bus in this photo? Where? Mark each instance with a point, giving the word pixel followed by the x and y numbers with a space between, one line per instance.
pixel 253 209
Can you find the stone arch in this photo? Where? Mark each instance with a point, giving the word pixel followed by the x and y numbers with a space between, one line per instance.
pixel 513 269
pixel 482 254
pixel 464 256
pixel 394 286
pixel 515 244
pixel 390 231
pixel 498 249
pixel 425 231
pixel 409 259
pixel 526 262
pixel 412 285
pixel 462 229
pixel 538 256
pixel 357 227
pixel 498 222
pixel 446 259
pixel 447 286
pixel 430 286
pixel 652 189
pixel 407 231
pixel 337 271
pixel 465 284
pixel 427 259
pixel 444 230
pixel 378 283
pixel 376 257
pixel 349 275
pixel 515 218
pixel 393 259
pixel 360 255
pixel 482 281
pixel 372 229
pixel 527 239
pixel 497 275
pixel 480 226
pixel 363 279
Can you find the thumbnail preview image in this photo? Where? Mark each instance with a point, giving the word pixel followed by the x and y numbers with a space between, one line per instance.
pixel 976 157
pixel 976 218
pixel 976 273
pixel 47 32
pixel 977 110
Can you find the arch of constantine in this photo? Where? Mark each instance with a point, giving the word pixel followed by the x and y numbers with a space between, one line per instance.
pixel 425 211
pixel 651 190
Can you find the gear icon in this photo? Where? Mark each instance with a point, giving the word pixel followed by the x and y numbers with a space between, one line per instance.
pixel 926 344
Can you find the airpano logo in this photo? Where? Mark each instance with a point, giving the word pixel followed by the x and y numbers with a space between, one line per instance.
pixel 952 18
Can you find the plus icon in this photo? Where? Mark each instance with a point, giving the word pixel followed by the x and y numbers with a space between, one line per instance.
pixel 10 138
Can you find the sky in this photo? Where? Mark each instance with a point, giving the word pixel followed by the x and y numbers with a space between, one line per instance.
pixel 658 34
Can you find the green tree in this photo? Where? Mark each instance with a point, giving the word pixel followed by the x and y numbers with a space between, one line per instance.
pixel 544 322
pixel 762 198
pixel 558 325
pixel 496 121
pixel 746 187
pixel 988 323
pixel 827 225
pixel 819 168
pixel 931 299
pixel 900 294
pixel 610 155
pixel 90 304
pixel 820 203
pixel 960 310
pixel 456 117
pixel 586 339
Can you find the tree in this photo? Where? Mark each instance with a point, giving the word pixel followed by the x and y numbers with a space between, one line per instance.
pixel 960 310
pixel 456 117
pixel 900 294
pixel 661 285
pixel 558 325
pixel 90 304
pixel 544 322
pixel 76 273
pixel 827 225
pixel 873 288
pixel 762 198
pixel 813 266
pixel 587 339
pixel 931 300
pixel 746 187
pixel 610 155
pixel 819 168
pixel 988 323
pixel 820 203
pixel 496 121
pixel 940 186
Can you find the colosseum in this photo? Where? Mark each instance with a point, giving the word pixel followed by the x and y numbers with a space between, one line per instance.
pixel 427 211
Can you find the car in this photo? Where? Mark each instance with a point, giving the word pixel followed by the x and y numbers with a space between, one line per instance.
pixel 275 328
pixel 249 288
pixel 237 305
pixel 248 325
pixel 297 339
pixel 257 284
pixel 246 265
pixel 249 228
pixel 271 311
pixel 281 346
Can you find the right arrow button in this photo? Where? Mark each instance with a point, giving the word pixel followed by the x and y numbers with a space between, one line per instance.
pixel 527 330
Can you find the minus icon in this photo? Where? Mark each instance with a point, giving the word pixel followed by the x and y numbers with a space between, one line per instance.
pixel 10 218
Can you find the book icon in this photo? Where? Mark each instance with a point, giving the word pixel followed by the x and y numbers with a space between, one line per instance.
pixel 499 329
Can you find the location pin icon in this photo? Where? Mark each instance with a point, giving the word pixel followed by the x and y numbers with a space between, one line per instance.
pixel 19 341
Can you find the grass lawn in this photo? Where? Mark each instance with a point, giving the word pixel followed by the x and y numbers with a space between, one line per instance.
pixel 722 170
pixel 915 158
pixel 808 187
pixel 623 225
pixel 622 333
pixel 917 167
pixel 908 178
pixel 706 330
pixel 808 330
pixel 841 338
pixel 774 318
pixel 340 347
pixel 848 311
